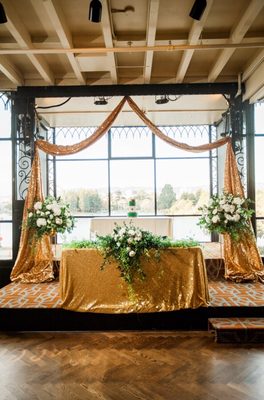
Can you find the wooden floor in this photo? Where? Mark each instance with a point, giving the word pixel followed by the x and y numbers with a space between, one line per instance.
pixel 128 366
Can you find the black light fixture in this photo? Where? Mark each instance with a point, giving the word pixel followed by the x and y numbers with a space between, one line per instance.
pixel 95 11
pixel 3 18
pixel 163 99
pixel 100 101
pixel 198 9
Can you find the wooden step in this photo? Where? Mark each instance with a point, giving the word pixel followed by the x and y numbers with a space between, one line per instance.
pixel 237 330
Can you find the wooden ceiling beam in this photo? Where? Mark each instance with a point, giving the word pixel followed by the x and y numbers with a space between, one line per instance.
pixel 253 64
pixel 237 34
pixel 194 37
pixel 57 19
pixel 153 13
pixel 107 28
pixel 20 34
pixel 10 72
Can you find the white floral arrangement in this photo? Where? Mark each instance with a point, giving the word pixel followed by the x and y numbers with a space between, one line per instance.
pixel 126 245
pixel 50 217
pixel 227 214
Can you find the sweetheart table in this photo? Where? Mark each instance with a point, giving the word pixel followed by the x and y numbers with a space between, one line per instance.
pixel 177 281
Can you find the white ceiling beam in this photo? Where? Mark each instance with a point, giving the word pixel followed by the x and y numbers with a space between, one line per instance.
pixel 237 34
pixel 10 72
pixel 194 37
pixel 20 34
pixel 153 13
pixel 58 21
pixel 106 24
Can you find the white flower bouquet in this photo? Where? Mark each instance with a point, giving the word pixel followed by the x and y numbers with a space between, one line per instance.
pixel 227 214
pixel 50 217
pixel 126 245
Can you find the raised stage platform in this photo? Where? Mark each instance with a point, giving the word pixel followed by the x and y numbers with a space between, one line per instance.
pixel 38 306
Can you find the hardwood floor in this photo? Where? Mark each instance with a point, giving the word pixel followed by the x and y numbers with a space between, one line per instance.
pixel 128 366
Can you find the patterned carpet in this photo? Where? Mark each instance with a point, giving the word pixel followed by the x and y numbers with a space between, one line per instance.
pixel 46 295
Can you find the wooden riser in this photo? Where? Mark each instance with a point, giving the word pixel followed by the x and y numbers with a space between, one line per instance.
pixel 237 330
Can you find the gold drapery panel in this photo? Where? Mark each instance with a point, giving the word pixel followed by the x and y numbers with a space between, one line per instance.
pixel 38 266
pixel 177 281
pixel 34 259
pixel 57 150
pixel 167 139
pixel 242 258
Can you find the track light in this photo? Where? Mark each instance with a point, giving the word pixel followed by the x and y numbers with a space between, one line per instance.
pixel 95 11
pixel 3 18
pixel 100 101
pixel 198 9
pixel 161 99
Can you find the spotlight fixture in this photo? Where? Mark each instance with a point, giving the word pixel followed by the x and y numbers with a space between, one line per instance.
pixel 198 9
pixel 161 99
pixel 95 11
pixel 100 101
pixel 3 18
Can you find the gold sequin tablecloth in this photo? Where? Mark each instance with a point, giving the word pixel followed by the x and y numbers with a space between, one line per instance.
pixel 177 281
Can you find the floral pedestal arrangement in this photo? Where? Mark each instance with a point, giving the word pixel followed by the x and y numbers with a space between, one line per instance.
pixel 132 208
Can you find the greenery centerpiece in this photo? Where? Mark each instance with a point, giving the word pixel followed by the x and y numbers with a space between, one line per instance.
pixel 227 213
pixel 50 217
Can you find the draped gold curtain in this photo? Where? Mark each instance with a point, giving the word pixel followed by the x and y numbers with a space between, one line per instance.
pixel 34 260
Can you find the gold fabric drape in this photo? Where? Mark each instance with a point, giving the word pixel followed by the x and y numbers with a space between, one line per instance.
pixel 177 281
pixel 36 266
pixel 242 258
pixel 34 260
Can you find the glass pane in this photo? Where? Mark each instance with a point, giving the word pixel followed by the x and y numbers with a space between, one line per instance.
pixel 259 118
pixel 182 186
pixel 81 231
pixel 131 142
pixel 259 168
pixel 5 118
pixel 186 227
pixel 192 135
pixel 5 241
pixel 260 236
pixel 132 178
pixel 83 184
pixel 69 136
pixel 5 180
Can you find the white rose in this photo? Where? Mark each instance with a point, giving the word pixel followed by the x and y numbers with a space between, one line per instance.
pixel 238 200
pixel 69 224
pixel 122 231
pixel 58 221
pixel 131 232
pixel 132 253
pixel 51 216
pixel 215 219
pixel 228 217
pixel 236 217
pixel 215 211
pixel 232 208
pixel 30 214
pixel 56 211
pixel 41 222
pixel 129 240
pixel 49 207
pixel 47 212
pixel 38 205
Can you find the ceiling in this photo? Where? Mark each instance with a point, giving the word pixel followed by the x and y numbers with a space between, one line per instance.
pixel 52 42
